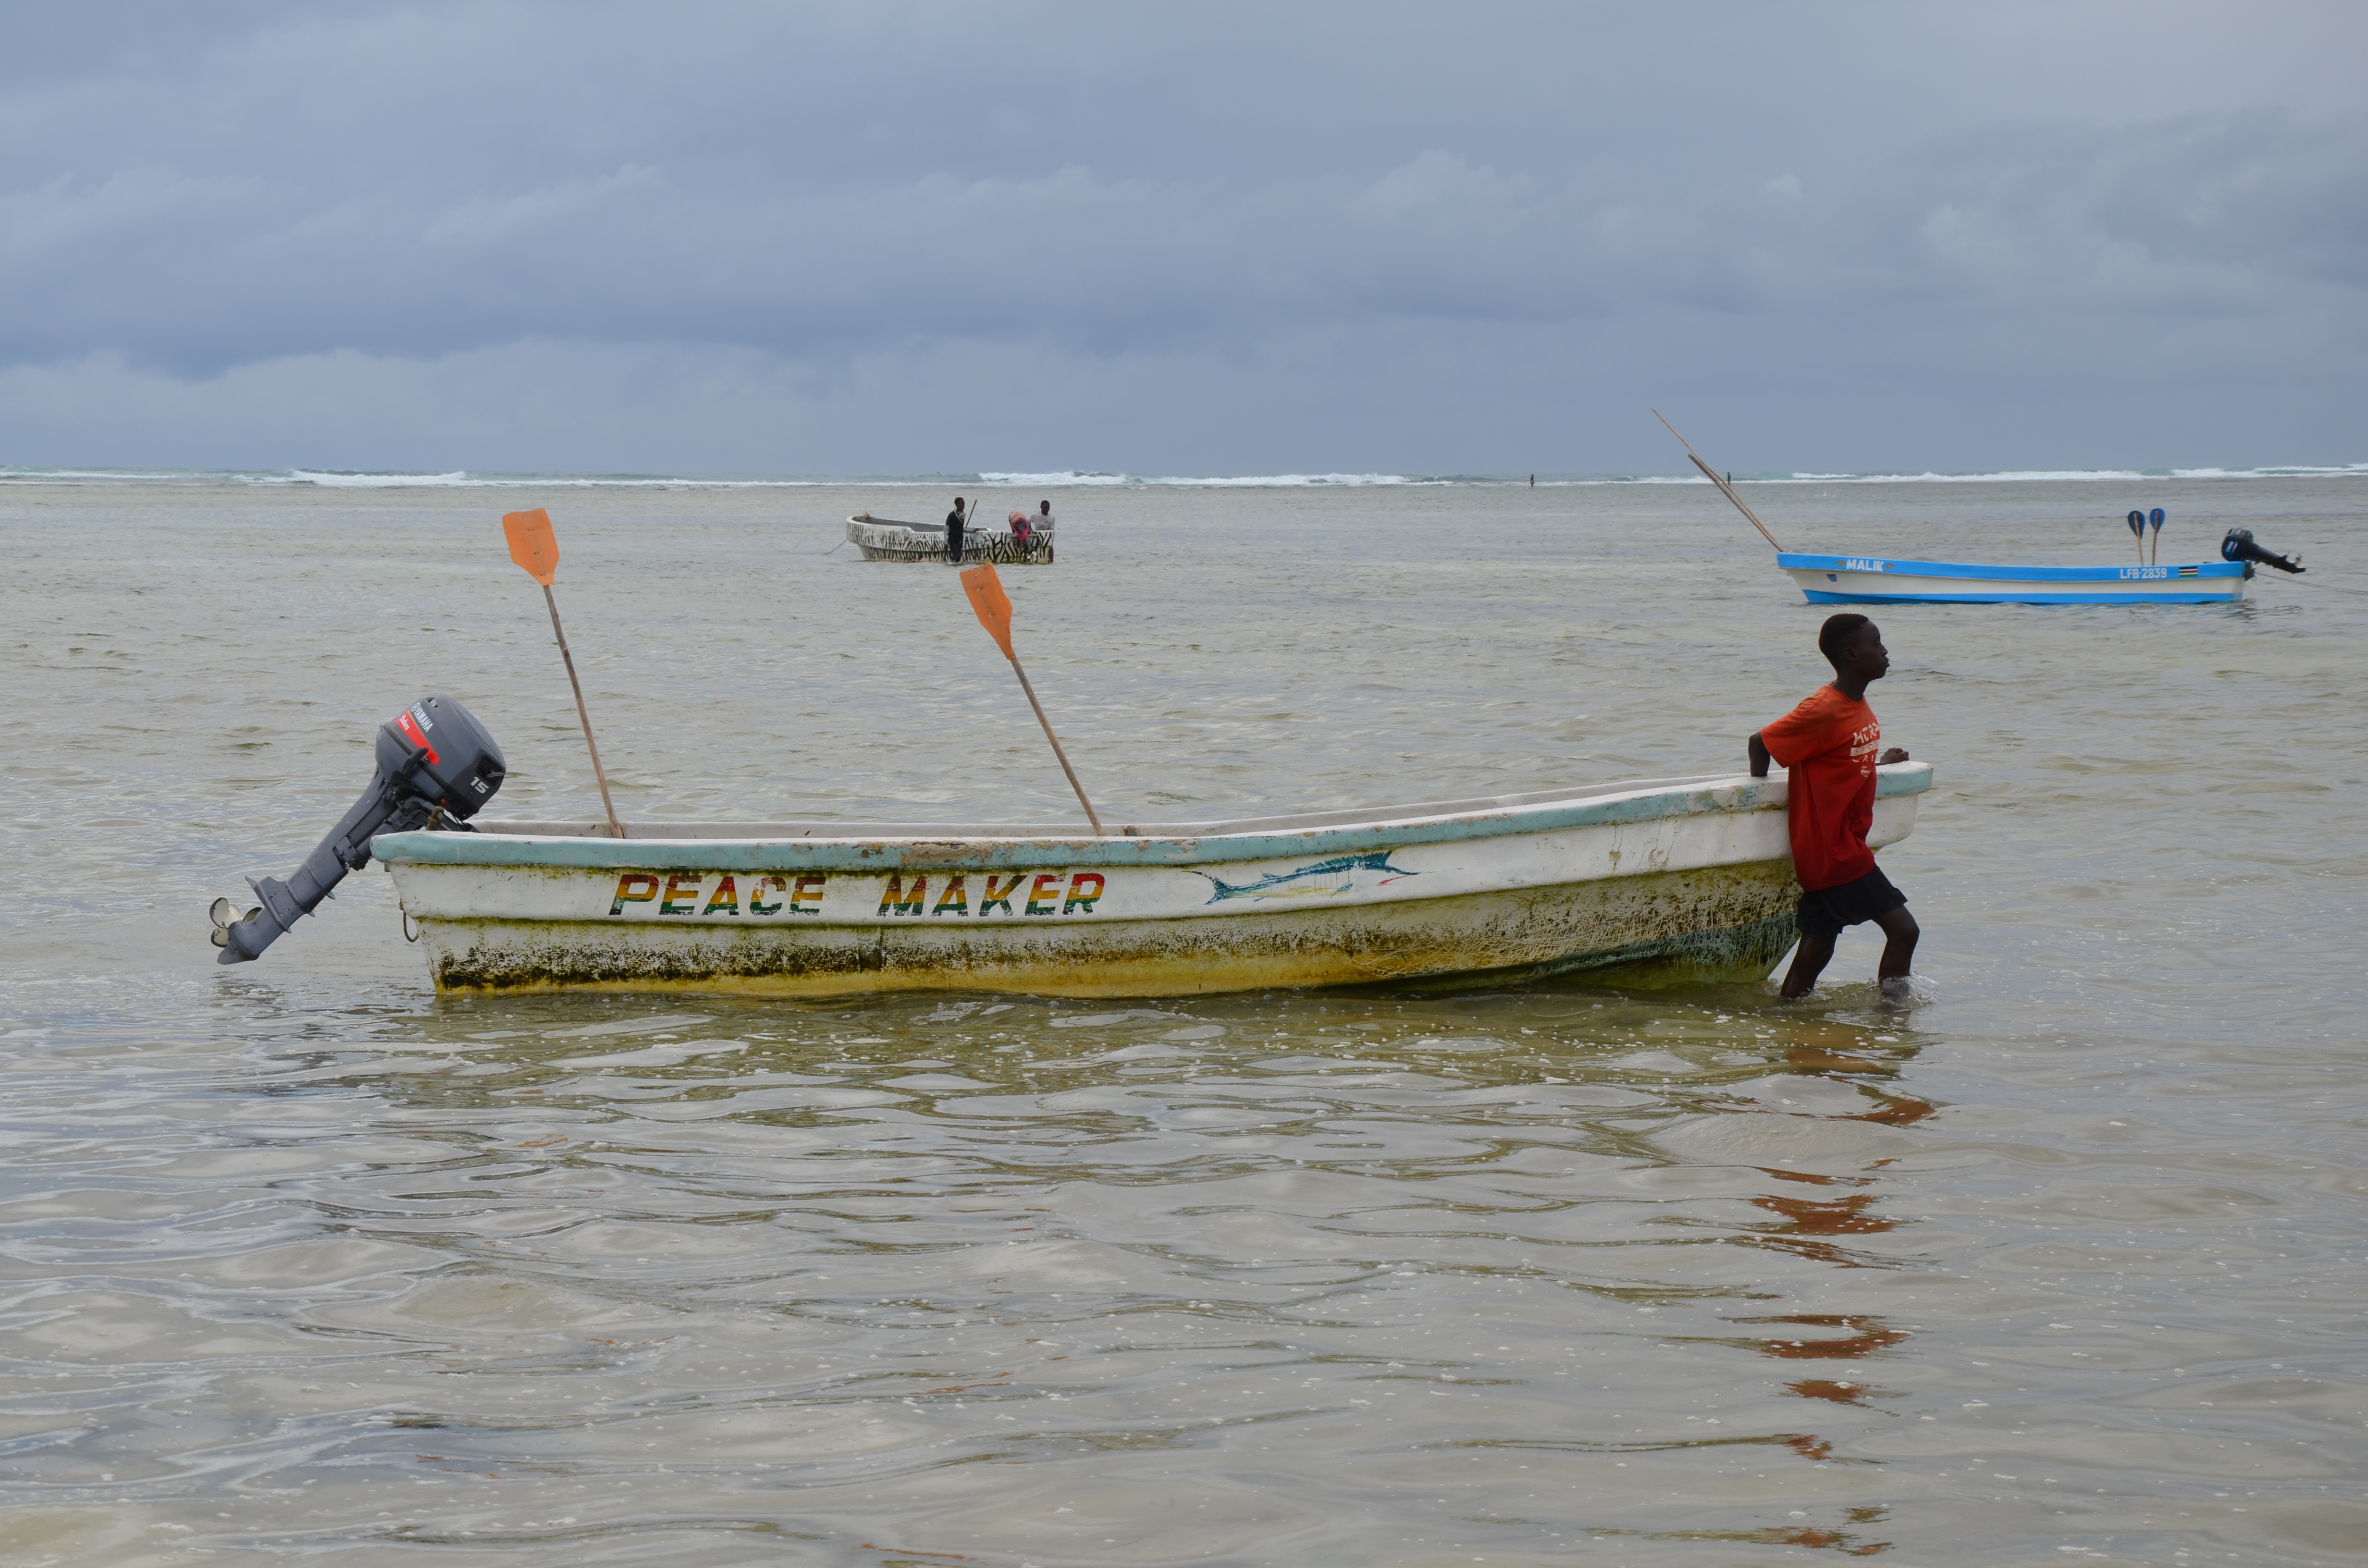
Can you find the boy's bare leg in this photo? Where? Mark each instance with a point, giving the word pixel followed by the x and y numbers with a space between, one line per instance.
pixel 1809 960
pixel 1900 931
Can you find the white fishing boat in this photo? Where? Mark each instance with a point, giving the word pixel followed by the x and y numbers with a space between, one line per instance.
pixel 1648 881
pixel 884 538
pixel 1875 579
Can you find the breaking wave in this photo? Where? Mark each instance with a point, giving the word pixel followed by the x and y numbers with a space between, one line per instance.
pixel 1246 482
pixel 333 479
pixel 1998 476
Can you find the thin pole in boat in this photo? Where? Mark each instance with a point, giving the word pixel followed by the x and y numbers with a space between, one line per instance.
pixel 533 547
pixel 994 608
pixel 1724 488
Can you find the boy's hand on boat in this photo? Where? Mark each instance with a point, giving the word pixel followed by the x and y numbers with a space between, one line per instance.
pixel 1897 754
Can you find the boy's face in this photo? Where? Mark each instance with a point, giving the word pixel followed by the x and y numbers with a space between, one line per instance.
pixel 1865 656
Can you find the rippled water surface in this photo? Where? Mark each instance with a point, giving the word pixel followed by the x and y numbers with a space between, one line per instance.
pixel 2063 1261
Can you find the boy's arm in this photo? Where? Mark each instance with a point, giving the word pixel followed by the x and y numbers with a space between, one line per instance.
pixel 1758 751
pixel 1897 754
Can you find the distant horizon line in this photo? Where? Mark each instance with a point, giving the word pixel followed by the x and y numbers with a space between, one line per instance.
pixel 395 479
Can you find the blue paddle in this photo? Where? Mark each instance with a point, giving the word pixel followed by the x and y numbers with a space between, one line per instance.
pixel 2137 527
pixel 2155 519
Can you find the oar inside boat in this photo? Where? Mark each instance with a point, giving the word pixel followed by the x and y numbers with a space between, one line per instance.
pixel 436 767
pixel 994 608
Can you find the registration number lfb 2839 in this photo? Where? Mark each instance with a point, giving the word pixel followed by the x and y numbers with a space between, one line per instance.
pixel 722 895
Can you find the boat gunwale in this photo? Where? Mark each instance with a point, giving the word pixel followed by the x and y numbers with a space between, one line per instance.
pixel 890 846
pixel 1889 566
pixel 869 521
pixel 864 519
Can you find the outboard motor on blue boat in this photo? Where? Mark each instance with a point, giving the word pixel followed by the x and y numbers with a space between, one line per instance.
pixel 2240 546
pixel 436 766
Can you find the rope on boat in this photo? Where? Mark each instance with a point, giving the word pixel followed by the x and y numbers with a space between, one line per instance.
pixel 2330 587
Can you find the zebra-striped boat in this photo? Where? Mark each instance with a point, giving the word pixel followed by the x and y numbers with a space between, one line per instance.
pixel 884 538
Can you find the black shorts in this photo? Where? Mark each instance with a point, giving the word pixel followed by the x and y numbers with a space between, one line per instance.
pixel 1825 912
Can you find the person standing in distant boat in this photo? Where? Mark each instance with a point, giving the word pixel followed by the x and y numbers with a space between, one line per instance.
pixel 1827 748
pixel 1043 522
pixel 954 532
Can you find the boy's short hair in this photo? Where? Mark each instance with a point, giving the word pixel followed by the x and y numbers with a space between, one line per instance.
pixel 1839 632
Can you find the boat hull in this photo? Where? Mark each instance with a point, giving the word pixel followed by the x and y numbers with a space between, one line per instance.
pixel 1868 579
pixel 881 539
pixel 1686 881
pixel 1725 924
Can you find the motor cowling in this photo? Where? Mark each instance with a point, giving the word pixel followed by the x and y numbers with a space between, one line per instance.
pixel 437 766
pixel 2240 546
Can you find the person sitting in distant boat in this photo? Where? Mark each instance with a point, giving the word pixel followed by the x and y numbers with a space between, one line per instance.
pixel 1017 522
pixel 954 532
pixel 1827 748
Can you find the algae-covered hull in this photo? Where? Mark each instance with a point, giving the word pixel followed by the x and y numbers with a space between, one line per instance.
pixel 1663 880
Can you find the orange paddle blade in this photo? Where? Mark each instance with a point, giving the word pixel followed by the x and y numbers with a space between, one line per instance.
pixel 531 544
pixel 988 597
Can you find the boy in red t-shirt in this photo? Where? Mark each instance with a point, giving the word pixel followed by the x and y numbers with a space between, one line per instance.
pixel 1827 747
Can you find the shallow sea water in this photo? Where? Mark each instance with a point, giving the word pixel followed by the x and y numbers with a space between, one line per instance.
pixel 2062 1261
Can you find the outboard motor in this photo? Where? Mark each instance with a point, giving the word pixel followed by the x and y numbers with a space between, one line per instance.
pixel 436 766
pixel 2240 546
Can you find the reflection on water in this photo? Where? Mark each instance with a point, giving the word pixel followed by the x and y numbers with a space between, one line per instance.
pixel 1176 1281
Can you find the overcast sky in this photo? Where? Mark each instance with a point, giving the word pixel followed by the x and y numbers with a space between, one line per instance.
pixel 743 237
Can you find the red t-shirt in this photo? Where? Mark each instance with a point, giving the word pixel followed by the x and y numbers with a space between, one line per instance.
pixel 1826 747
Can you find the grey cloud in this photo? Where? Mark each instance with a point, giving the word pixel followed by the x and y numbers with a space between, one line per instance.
pixel 198 272
pixel 833 188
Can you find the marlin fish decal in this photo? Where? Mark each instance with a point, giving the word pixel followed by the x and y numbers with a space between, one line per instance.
pixel 1325 879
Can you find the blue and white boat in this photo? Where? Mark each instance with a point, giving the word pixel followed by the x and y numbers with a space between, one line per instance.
pixel 1876 579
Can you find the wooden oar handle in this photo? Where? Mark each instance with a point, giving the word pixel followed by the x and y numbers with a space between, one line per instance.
pixel 1724 487
pixel 1061 756
pixel 616 828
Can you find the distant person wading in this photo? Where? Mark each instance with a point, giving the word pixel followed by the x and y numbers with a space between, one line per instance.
pixel 954 532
